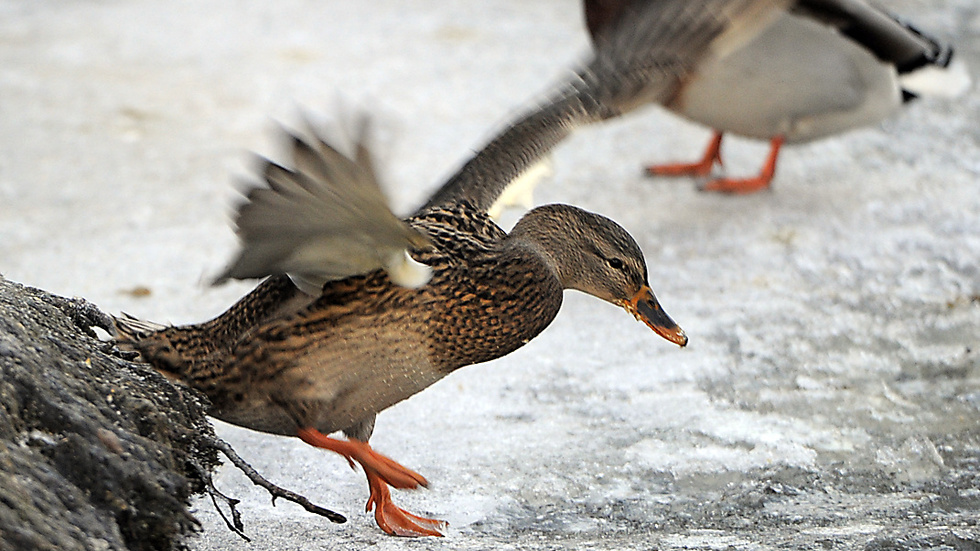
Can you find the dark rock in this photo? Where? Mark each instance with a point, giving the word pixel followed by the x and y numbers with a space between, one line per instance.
pixel 96 452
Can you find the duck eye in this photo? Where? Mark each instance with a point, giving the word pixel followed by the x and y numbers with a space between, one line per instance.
pixel 615 263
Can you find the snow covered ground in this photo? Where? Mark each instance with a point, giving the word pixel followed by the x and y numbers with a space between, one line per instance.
pixel 830 396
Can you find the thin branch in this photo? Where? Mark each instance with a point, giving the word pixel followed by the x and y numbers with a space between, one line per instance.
pixel 276 491
pixel 235 524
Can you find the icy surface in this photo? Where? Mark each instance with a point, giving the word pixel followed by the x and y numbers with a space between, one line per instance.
pixel 830 396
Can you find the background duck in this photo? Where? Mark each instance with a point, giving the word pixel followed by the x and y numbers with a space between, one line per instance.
pixel 821 68
pixel 287 362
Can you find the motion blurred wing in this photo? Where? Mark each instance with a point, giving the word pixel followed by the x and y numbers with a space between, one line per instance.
pixel 324 219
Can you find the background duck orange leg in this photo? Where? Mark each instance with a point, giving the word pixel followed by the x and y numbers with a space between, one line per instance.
pixel 381 472
pixel 750 185
pixel 712 154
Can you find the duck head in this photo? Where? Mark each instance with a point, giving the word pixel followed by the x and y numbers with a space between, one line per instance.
pixel 591 253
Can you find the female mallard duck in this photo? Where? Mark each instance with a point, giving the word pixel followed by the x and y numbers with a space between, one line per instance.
pixel 363 310
pixel 822 67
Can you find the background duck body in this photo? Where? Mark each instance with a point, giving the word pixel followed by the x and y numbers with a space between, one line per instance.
pixel 765 89
pixel 821 68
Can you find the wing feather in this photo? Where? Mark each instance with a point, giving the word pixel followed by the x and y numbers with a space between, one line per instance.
pixel 325 218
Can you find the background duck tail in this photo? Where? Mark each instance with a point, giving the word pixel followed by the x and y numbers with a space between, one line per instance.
pixel 948 79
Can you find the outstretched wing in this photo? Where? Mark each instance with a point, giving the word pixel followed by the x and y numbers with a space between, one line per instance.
pixel 325 218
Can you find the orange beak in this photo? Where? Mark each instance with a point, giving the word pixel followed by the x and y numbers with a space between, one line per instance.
pixel 644 307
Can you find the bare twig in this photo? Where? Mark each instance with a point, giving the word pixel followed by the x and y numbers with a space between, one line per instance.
pixel 235 524
pixel 276 491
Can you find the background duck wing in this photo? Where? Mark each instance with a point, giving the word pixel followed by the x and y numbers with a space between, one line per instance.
pixel 325 218
pixel 925 65
pixel 891 40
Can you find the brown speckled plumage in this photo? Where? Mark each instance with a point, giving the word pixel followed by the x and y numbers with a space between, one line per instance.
pixel 375 343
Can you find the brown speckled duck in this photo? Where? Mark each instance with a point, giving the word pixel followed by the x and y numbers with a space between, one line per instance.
pixel 820 68
pixel 362 310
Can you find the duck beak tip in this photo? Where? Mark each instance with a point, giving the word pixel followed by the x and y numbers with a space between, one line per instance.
pixel 645 307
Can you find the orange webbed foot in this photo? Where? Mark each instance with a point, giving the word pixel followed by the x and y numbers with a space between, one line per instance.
pixel 738 186
pixel 703 167
pixel 680 169
pixel 381 471
pixel 393 519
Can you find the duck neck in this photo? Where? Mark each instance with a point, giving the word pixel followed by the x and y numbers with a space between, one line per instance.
pixel 543 234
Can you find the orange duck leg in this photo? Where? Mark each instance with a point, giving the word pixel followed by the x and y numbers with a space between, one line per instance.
pixel 711 156
pixel 750 185
pixel 381 472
